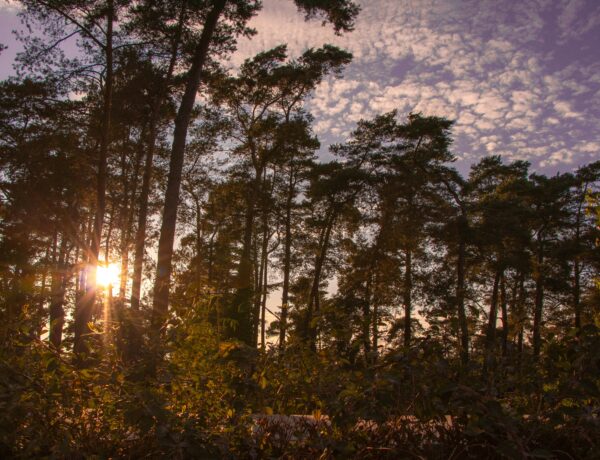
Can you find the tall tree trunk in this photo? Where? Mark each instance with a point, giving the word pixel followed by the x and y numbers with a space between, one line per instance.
pixel 84 310
pixel 260 280
pixel 57 297
pixel 129 205
pixel 375 326
pixel 263 310
pixel 460 299
pixel 504 309
pixel 577 264
pixel 287 253
pixel 539 299
pixel 407 298
pixel 490 336
pixel 140 235
pixel 366 319
pixel 314 300
pixel 521 324
pixel 198 279
pixel 264 261
pixel 577 293
pixel 182 121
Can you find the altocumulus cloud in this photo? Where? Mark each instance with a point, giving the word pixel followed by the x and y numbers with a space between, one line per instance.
pixel 521 79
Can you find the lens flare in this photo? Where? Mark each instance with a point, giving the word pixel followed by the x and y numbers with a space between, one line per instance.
pixel 107 275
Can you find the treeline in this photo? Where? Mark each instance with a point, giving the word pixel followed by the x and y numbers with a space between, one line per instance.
pixel 203 185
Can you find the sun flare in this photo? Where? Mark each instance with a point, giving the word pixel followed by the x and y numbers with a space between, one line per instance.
pixel 107 275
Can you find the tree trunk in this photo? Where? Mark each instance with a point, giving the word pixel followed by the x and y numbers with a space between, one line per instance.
pixel 314 301
pixel 460 300
pixel 366 319
pixel 504 309
pixel 375 325
pixel 539 299
pixel 84 310
pixel 577 264
pixel 260 280
pixel 263 311
pixel 129 205
pixel 57 297
pixel 407 298
pixel 521 319
pixel 287 253
pixel 490 337
pixel 182 121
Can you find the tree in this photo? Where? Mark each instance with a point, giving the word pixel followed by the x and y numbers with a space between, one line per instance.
pixel 234 14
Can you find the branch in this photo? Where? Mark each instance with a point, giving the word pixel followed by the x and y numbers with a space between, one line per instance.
pixel 74 21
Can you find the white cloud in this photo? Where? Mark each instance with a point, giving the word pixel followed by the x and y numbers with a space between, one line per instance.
pixel 476 61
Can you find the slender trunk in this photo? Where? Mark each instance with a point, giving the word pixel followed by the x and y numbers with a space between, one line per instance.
pixel 577 293
pixel 521 319
pixel 514 306
pixel 82 263
pixel 57 297
pixel 111 222
pixel 264 260
pixel 263 312
pixel 140 235
pixel 287 252
pixel 366 319
pixel 504 309
pixel 577 274
pixel 259 268
pixel 198 279
pixel 460 300
pixel 45 269
pixel 130 198
pixel 375 321
pixel 539 299
pixel 407 298
pixel 314 299
pixel 490 336
pixel 84 310
pixel 577 264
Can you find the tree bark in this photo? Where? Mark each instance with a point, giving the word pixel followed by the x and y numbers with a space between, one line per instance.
pixel 460 300
pixel 539 299
pixel 263 311
pixel 489 363
pixel 314 301
pixel 129 207
pixel 504 310
pixel 367 317
pixel 57 298
pixel 287 256
pixel 407 298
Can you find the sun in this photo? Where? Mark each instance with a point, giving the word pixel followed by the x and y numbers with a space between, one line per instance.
pixel 107 275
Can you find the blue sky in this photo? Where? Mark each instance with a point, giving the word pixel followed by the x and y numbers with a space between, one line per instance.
pixel 520 77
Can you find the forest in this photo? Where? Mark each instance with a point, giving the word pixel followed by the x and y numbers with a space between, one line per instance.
pixel 184 274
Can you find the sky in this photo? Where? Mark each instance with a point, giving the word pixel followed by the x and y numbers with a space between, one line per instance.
pixel 521 78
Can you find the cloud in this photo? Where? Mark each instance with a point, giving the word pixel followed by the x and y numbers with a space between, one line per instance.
pixel 489 65
pixel 10 6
